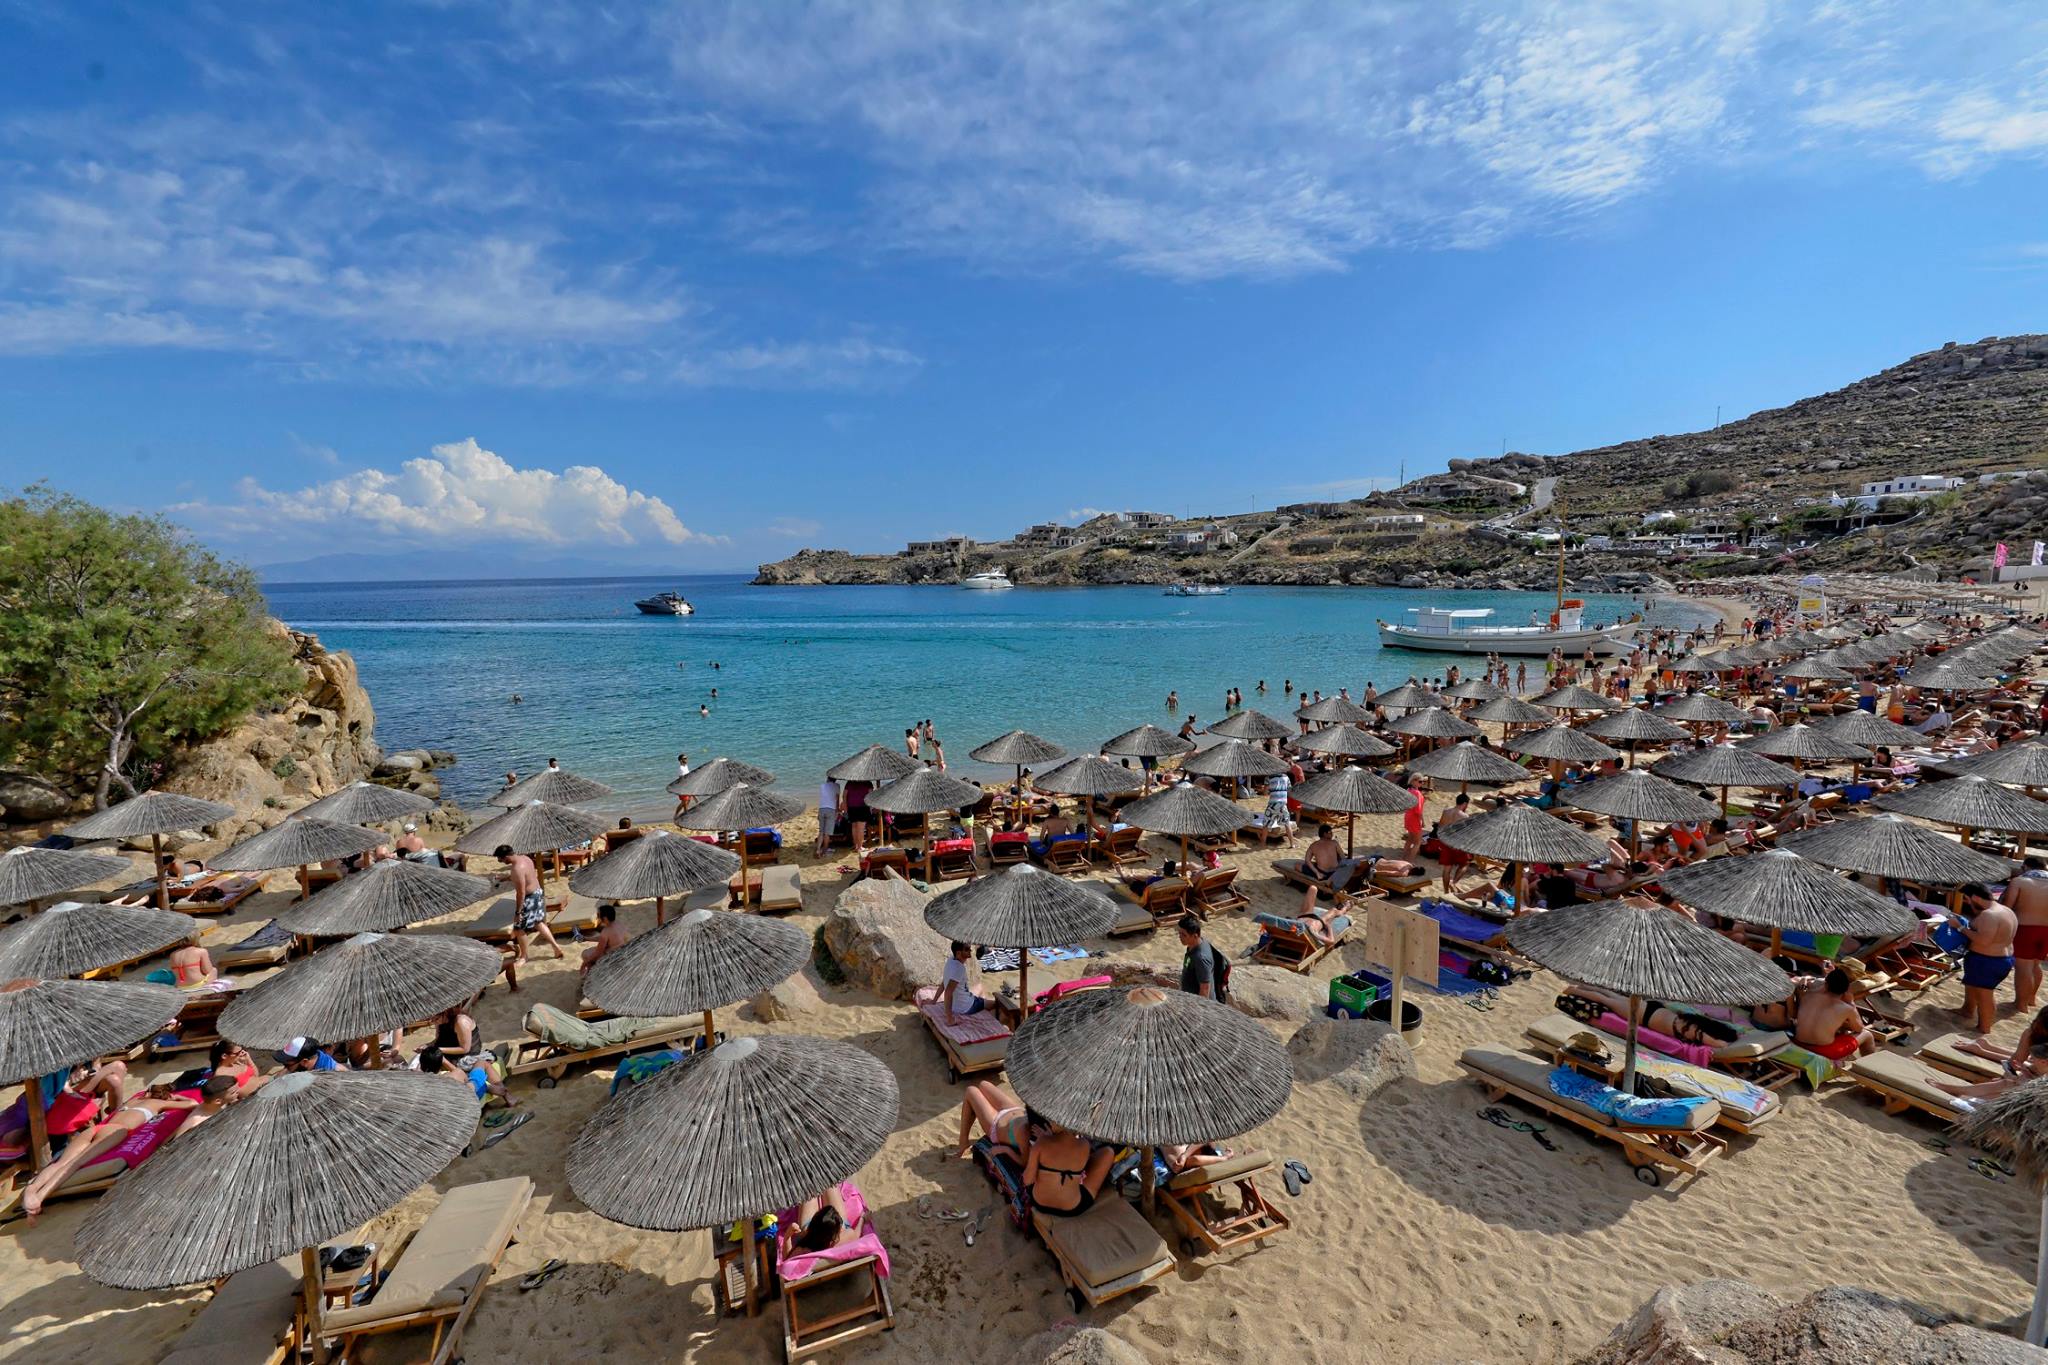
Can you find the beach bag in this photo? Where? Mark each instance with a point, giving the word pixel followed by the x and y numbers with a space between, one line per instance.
pixel 1487 972
pixel 1220 968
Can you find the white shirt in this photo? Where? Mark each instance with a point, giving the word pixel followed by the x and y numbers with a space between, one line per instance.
pixel 828 796
pixel 956 973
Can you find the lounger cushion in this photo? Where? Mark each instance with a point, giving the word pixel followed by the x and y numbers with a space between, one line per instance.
pixel 587 1035
pixel 1106 1243
pixel 448 1257
pixel 1556 1030
pixel 1907 1075
pixel 1532 1074
pixel 1130 916
pixel 1750 1103
pixel 245 1319
pixel 1943 1054
pixel 1216 1173
pixel 781 885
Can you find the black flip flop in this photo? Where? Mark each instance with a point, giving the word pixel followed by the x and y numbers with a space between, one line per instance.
pixel 1291 1180
pixel 1301 1172
pixel 541 1276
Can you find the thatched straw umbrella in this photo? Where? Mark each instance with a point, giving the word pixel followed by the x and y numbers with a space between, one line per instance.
pixel 655 866
pixel 1785 891
pixel 154 814
pixel 1433 722
pixel 1333 711
pixel 1465 763
pixel 1969 802
pixel 298 841
pixel 2014 1125
pixel 384 896
pixel 1562 744
pixel 1646 951
pixel 704 961
pixel 744 807
pixel 1887 846
pixel 1802 743
pixel 1725 766
pixel 1573 697
pixel 754 1125
pixel 1020 749
pixel 1356 792
pixel 1409 696
pixel 711 778
pixel 1637 726
pixel 1149 1068
pixel 1250 725
pixel 1936 675
pixel 1701 708
pixel 71 940
pixel 873 764
pixel 29 875
pixel 535 827
pixel 306 1157
pixel 1235 760
pixel 1698 663
pixel 1520 834
pixel 555 786
pixel 1021 907
pixel 1344 741
pixel 925 792
pixel 1476 689
pixel 49 1026
pixel 360 988
pixel 1147 742
pixel 366 803
pixel 2016 765
pixel 1815 670
pixel 1868 729
pixel 1636 795
pixel 1512 711
pixel 1089 776
pixel 1186 811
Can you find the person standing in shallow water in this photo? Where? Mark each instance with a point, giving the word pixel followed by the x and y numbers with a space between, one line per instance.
pixel 1172 701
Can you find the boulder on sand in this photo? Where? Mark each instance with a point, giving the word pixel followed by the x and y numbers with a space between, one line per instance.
pixel 1274 992
pixel 877 934
pixel 1078 1346
pixel 786 1000
pixel 1357 1056
pixel 1733 1322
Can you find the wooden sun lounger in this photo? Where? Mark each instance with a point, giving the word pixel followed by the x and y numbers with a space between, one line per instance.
pixel 1117 847
pixel 782 888
pixel 1105 1253
pixel 880 862
pixel 949 864
pixel 1066 856
pixel 436 1281
pixel 1550 1036
pixel 1903 1083
pixel 1294 872
pixel 1189 1198
pixel 197 1023
pixel 1163 901
pixel 1008 849
pixel 836 1303
pixel 966 1059
pixel 1650 1151
pixel 1296 949
pixel 1943 1055
pixel 253 1316
pixel 595 1040
pixel 1216 890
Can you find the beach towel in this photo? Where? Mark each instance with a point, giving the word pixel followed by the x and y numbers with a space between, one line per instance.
pixel 1817 1069
pixel 1732 1093
pixel 1460 924
pixel 1338 924
pixel 1622 1108
pixel 980 1027
pixel 271 935
pixel 1061 989
pixel 1007 1177
pixel 642 1066
pixel 1696 1053
pixel 139 1145
pixel 1001 959
pixel 1066 954
pixel 800 1264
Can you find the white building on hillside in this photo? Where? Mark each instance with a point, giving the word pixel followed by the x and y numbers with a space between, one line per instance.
pixel 1905 486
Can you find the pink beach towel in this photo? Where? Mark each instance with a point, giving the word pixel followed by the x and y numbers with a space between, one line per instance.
pixel 1696 1053
pixel 795 1267
pixel 982 1027
pixel 141 1144
pixel 1061 989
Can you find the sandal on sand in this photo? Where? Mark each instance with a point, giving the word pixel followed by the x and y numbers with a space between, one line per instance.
pixel 541 1276
pixel 511 1126
pixel 978 1222
pixel 1300 1170
pixel 1289 1178
pixel 942 1213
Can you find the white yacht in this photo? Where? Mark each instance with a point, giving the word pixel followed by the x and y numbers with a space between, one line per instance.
pixel 1197 590
pixel 1447 630
pixel 987 579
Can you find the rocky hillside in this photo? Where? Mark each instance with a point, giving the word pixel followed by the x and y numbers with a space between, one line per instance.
pixel 1960 410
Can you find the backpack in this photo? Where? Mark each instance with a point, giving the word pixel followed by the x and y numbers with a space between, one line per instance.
pixel 1219 965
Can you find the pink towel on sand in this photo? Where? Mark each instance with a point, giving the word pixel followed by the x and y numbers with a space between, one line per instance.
pixel 867 1244
pixel 980 1027
pixel 1696 1053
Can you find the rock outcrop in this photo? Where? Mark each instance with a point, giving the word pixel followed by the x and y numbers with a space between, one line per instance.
pixel 1358 1057
pixel 1733 1322
pixel 1078 1346
pixel 1274 992
pixel 786 1000
pixel 877 934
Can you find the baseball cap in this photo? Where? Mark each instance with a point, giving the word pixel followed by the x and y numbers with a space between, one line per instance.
pixel 410 827
pixel 297 1050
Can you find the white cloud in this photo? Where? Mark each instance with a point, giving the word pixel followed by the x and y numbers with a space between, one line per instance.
pixel 795 528
pixel 462 493
pixel 845 363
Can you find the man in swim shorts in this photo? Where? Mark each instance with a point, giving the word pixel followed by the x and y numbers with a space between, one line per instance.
pixel 2027 894
pixel 1826 1020
pixel 1991 929
pixel 531 913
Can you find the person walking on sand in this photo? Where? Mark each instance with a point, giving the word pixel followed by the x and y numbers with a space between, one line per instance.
pixel 1991 929
pixel 2027 894
pixel 1411 822
pixel 530 905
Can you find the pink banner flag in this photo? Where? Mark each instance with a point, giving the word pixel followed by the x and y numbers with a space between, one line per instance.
pixel 1998 556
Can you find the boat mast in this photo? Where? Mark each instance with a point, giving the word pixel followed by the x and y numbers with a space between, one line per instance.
pixel 1560 556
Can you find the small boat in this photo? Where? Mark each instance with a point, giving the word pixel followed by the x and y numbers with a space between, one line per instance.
pixel 1446 630
pixel 1197 590
pixel 666 604
pixel 987 579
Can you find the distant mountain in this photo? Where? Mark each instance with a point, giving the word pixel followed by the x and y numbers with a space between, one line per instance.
pixel 432 565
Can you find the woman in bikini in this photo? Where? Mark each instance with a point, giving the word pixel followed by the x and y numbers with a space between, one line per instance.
pixel 1002 1116
pixel 135 1111
pixel 193 966
pixel 1065 1172
pixel 820 1225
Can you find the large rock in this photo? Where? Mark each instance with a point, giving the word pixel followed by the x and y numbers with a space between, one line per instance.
pixel 26 799
pixel 786 1000
pixel 877 934
pixel 1078 1346
pixel 1274 992
pixel 1358 1057
pixel 1733 1322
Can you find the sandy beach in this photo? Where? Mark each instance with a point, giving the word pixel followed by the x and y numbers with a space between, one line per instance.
pixel 1427 1235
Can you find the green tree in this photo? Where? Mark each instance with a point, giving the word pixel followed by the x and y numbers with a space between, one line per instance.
pixel 121 639
pixel 1746 521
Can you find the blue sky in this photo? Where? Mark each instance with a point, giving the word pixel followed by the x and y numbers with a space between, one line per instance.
pixel 699 284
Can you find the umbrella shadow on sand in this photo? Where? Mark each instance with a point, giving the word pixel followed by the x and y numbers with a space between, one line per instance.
pixel 1992 1217
pixel 1499 1176
pixel 63 1335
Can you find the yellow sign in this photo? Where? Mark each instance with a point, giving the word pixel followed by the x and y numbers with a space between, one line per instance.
pixel 1811 606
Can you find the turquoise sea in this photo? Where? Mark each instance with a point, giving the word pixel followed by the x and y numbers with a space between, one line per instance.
pixel 806 676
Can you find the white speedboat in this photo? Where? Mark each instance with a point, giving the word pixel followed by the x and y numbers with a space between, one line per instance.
pixel 1197 590
pixel 1447 630
pixel 987 579
pixel 666 604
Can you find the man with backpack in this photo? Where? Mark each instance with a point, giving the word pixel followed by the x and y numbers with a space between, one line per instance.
pixel 1204 971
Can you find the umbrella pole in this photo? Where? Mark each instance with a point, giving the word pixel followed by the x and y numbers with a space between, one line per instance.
pixel 2038 1319
pixel 1628 1068
pixel 743 869
pixel 1024 982
pixel 38 1123
pixel 1147 1178
pixel 309 1279
pixel 1350 835
pixel 376 1053
pixel 163 882
pixel 1777 939
pixel 709 1032
pixel 660 913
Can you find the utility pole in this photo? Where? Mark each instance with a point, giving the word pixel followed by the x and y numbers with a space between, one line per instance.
pixel 1717 416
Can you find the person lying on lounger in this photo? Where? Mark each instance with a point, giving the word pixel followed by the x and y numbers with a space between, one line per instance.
pixel 820 1224
pixel 481 1071
pixel 1005 1120
pixel 1701 1030
pixel 135 1111
pixel 2025 1060
pixel 1065 1172
pixel 1316 922
pixel 1199 1154
pixel 1598 881
pixel 1144 877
